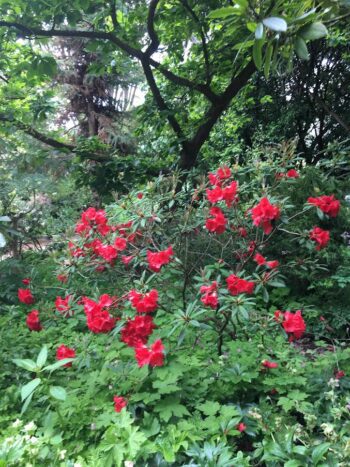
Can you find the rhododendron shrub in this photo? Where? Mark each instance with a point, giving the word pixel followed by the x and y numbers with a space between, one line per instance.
pixel 166 302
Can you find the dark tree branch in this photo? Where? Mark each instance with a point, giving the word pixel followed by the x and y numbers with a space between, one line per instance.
pixel 107 36
pixel 114 15
pixel 214 113
pixel 203 39
pixel 160 101
pixel 54 143
pixel 128 49
pixel 151 30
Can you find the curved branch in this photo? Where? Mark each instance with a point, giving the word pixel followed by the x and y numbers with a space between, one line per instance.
pixel 160 101
pixel 54 143
pixel 151 30
pixel 128 49
pixel 203 39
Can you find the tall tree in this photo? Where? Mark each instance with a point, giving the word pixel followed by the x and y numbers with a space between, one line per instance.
pixel 208 50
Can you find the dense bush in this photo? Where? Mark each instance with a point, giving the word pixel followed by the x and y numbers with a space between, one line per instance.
pixel 191 334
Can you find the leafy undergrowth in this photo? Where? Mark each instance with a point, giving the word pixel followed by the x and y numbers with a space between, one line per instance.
pixel 175 330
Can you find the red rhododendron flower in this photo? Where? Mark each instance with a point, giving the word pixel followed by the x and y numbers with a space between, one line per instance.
pixel 74 251
pixel 272 264
pixel 224 172
pixel 278 316
pixel 107 252
pixel 144 303
pixel 263 214
pixel 25 296
pixel 339 374
pixel 210 295
pixel 218 221
pixel 228 194
pixel 153 356
pixel 292 173
pixel 63 305
pixel 327 204
pixel 126 259
pixel 215 195
pixel 259 259
pixel 65 352
pixel 26 281
pixel 93 219
pixel 242 232
pixel 294 324
pixel 98 318
pixel 320 236
pixel 119 403
pixel 236 285
pixel 136 331
pixel 159 259
pixel 268 364
pixel 33 321
pixel 241 427
pixel 62 278
pixel 139 195
pixel 120 243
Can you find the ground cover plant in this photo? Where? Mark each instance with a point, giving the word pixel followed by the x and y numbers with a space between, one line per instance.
pixel 172 330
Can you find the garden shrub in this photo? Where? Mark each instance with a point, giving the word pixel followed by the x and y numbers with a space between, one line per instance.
pixel 176 329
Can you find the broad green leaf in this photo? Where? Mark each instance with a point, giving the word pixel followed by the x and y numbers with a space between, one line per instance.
pixel 301 48
pixel 318 452
pixel 259 31
pixel 29 388
pixel 27 402
pixel 209 408
pixel 58 364
pixel 58 392
pixel 42 357
pixel 223 12
pixel 27 364
pixel 313 31
pixel 276 24
pixel 257 53
pixel 268 57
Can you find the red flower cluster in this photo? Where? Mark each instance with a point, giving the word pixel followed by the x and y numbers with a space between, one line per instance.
pixel 26 281
pixel 119 403
pixel 62 278
pixel 210 295
pixel 320 236
pixel 98 318
pixel 236 285
pixel 153 356
pixel 63 305
pixel 33 321
pixel 339 374
pixel 218 221
pixel 93 219
pixel 241 427
pixel 291 173
pixel 159 259
pixel 63 352
pixel 25 296
pixel 263 214
pixel 144 303
pixel 227 194
pixel 293 323
pixel 268 364
pixel 260 260
pixel 327 204
pixel 136 331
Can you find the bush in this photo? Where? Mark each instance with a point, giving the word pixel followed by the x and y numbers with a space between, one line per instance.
pixel 188 310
